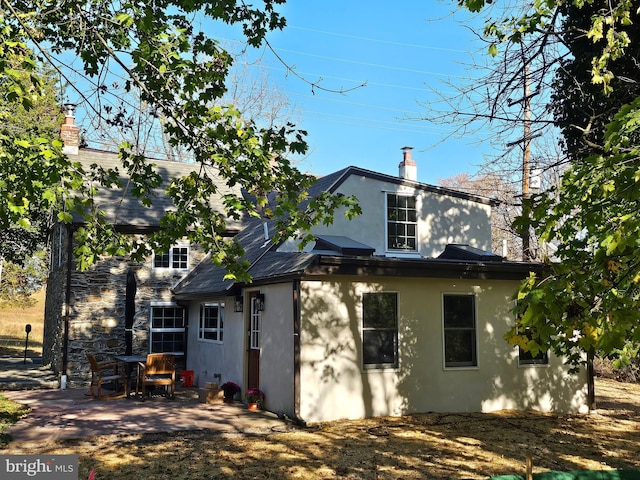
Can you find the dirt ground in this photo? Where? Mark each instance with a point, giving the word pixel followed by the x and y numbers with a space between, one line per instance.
pixel 433 446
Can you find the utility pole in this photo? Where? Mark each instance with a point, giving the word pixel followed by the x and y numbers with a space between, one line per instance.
pixel 526 159
pixel 525 236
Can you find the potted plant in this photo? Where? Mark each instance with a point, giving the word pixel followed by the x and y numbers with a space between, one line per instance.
pixel 255 399
pixel 230 389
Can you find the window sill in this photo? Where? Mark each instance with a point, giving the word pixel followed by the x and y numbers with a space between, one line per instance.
pixel 381 369
pixel 402 254
pixel 206 340
pixel 457 369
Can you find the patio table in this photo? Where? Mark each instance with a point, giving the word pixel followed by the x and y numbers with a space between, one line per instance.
pixel 130 361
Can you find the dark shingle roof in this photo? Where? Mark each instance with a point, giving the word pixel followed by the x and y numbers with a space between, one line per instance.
pixel 342 245
pixel 467 252
pixel 332 181
pixel 207 277
pixel 121 207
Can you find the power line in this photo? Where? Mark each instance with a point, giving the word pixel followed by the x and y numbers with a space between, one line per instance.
pixel 375 65
pixel 330 77
pixel 388 42
pixel 381 124
pixel 365 105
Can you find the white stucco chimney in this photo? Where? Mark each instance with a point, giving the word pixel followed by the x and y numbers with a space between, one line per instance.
pixel 408 168
pixel 69 132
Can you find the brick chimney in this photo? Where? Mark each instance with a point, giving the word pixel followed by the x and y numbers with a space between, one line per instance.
pixel 408 168
pixel 70 133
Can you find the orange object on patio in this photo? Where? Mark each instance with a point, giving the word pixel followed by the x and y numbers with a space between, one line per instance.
pixel 186 378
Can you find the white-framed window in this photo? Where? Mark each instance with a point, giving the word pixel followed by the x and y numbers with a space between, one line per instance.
pixel 211 322
pixel 380 330
pixel 177 257
pixel 402 222
pixel 459 330
pixel 527 358
pixel 254 326
pixel 167 332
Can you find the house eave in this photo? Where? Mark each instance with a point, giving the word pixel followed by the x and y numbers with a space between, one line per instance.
pixel 424 268
pixel 359 171
pixel 142 229
pixel 328 265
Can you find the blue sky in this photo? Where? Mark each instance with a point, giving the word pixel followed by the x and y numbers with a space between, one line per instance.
pixel 401 50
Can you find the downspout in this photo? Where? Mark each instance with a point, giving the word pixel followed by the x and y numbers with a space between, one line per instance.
pixel 296 352
pixel 67 306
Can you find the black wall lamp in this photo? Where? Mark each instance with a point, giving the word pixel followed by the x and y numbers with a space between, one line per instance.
pixel 259 302
pixel 238 304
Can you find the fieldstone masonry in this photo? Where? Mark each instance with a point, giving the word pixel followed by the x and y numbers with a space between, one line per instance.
pixel 97 307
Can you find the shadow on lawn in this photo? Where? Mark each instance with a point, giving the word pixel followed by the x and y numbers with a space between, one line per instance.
pixel 430 446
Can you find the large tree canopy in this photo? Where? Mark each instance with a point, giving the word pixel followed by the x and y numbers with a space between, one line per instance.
pixel 42 117
pixel 179 72
pixel 581 108
pixel 588 297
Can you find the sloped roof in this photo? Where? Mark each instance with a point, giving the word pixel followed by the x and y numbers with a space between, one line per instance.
pixel 207 277
pixel 122 209
pixel 467 252
pixel 340 254
pixel 331 182
pixel 272 266
pixel 343 245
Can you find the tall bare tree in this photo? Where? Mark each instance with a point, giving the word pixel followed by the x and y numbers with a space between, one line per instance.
pixel 504 102
pixel 126 117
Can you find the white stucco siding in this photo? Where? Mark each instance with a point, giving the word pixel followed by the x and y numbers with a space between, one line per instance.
pixel 207 358
pixel 442 219
pixel 229 358
pixel 276 356
pixel 334 385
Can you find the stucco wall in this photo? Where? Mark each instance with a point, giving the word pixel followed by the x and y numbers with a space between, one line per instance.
pixel 276 358
pixel 442 219
pixel 229 357
pixel 207 358
pixel 334 385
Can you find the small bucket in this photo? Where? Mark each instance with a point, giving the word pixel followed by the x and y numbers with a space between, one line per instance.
pixel 186 378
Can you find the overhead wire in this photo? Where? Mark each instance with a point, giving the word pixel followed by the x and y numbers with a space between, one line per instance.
pixel 377 40
pixel 330 117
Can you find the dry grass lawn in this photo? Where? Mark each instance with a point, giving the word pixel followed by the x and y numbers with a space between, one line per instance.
pixel 12 326
pixel 430 446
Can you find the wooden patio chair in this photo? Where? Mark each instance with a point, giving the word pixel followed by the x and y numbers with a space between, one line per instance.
pixel 159 370
pixel 106 372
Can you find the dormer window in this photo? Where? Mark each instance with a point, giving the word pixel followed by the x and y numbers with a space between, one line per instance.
pixel 402 222
pixel 177 258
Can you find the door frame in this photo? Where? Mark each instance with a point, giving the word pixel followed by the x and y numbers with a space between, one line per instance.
pixel 253 329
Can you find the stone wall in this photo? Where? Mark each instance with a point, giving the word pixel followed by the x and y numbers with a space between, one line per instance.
pixel 96 310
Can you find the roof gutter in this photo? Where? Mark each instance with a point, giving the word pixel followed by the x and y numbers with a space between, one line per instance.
pixel 428 268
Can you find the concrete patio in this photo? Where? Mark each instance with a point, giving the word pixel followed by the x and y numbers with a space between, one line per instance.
pixel 71 413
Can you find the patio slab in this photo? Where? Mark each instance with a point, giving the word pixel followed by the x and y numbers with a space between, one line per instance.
pixel 72 414
pixel 25 374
